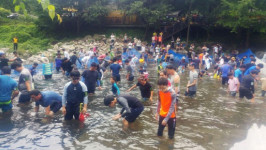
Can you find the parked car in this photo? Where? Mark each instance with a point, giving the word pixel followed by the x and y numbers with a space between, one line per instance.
pixel 13 16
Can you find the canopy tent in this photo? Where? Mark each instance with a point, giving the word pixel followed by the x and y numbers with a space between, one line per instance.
pixel 247 53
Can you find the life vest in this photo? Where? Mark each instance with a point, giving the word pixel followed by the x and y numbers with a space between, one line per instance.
pixel 160 39
pixel 165 100
pixel 75 94
pixel 156 38
pixel 201 56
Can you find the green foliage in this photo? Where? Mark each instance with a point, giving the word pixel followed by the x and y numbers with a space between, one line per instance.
pixel 95 13
pixel 245 14
pixel 30 38
pixel 4 12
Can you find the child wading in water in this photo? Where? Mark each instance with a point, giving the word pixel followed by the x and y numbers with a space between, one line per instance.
pixel 115 88
pixel 233 85
pixel 166 110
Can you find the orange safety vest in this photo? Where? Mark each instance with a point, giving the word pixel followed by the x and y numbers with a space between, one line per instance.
pixel 201 56
pixel 160 39
pixel 166 100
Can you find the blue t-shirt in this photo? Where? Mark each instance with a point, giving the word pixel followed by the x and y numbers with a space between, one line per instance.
pixel 238 74
pixel 7 85
pixel 33 71
pixel 226 68
pixel 115 69
pixel 250 69
pixel 48 97
pixel 58 62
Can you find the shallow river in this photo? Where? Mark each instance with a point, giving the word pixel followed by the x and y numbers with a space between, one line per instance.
pixel 212 120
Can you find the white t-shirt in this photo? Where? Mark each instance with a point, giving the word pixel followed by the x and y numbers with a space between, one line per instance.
pixel 139 43
pixel 157 49
pixel 85 60
pixel 66 55
pixel 232 83
pixel 130 45
pixel 112 37
pixel 143 48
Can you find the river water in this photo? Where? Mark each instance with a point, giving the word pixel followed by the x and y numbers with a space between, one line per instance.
pixel 212 120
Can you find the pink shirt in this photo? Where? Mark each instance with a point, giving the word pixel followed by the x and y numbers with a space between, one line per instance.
pixel 232 83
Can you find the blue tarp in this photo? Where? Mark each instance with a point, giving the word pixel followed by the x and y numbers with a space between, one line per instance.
pixel 247 53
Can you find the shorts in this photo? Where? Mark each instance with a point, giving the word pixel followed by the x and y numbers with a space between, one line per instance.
pixel 57 69
pixel 190 93
pixel 263 93
pixel 233 93
pixel 224 80
pixel 134 114
pixel 91 88
pixel 72 109
pixel 243 92
pixel 55 106
pixel 117 77
pixel 131 78
pixel 145 99
pixel 6 107
pixel 24 98
pixel 171 127
pixel 47 77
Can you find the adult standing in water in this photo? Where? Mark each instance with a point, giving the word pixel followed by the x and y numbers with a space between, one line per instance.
pixel 192 83
pixel 174 79
pixel 247 88
pixel 66 67
pixel 46 68
pixel 24 83
pixel 8 90
pixel 91 76
pixel 75 93
pixel 115 68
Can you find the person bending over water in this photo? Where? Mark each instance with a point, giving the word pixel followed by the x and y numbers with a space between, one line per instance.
pixel 48 99
pixel 75 92
pixel 130 104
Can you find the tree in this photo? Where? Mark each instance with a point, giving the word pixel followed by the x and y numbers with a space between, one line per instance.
pixel 247 15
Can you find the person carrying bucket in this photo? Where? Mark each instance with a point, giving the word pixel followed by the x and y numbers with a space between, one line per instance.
pixel 75 92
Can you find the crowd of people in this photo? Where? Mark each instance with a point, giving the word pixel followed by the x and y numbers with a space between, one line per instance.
pixel 238 75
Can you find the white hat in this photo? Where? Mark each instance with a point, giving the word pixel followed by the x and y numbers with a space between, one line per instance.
pixel 45 60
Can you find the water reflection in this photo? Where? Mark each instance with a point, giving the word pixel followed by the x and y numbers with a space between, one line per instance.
pixel 212 120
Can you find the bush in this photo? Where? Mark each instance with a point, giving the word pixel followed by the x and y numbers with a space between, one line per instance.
pixel 4 12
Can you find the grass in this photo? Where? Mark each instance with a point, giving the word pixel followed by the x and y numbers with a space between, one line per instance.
pixel 31 40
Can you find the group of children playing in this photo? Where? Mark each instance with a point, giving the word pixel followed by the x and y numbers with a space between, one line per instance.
pixel 74 101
